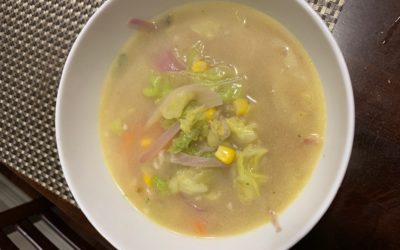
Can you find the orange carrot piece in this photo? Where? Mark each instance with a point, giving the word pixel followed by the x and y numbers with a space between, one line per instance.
pixel 128 138
pixel 199 227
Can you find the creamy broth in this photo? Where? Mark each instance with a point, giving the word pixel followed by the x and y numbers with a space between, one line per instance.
pixel 289 111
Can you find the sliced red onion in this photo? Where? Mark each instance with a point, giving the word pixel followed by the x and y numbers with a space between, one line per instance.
pixel 143 24
pixel 274 220
pixel 203 95
pixel 204 148
pixel 168 62
pixel 195 161
pixel 191 204
pixel 160 143
pixel 312 139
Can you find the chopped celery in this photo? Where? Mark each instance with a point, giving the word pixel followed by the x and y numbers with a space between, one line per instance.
pixel 158 86
pixel 246 174
pixel 190 181
pixel 243 133
pixel 160 185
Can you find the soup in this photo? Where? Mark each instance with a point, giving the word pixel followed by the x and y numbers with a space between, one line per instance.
pixel 212 119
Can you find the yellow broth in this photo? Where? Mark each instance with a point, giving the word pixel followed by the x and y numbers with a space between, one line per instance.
pixel 289 112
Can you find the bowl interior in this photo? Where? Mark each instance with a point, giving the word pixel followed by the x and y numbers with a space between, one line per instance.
pixel 79 146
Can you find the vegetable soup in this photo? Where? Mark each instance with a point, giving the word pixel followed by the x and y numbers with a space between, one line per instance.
pixel 212 118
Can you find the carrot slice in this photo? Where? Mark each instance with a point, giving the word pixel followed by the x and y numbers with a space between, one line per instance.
pixel 130 140
pixel 199 227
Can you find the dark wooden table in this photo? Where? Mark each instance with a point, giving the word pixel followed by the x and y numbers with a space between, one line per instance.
pixel 366 211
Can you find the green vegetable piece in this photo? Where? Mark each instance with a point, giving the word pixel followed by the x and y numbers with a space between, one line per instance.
pixel 243 133
pixel 116 127
pixel 183 141
pixel 199 150
pixel 158 87
pixel 246 173
pixel 231 92
pixel 219 131
pixel 193 126
pixel 192 114
pixel 160 185
pixel 174 106
pixel 190 181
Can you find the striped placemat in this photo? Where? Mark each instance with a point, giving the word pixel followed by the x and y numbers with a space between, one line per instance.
pixel 35 38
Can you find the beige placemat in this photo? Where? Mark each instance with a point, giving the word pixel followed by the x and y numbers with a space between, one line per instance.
pixel 35 38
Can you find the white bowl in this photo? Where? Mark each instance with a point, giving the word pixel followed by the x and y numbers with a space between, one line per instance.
pixel 91 183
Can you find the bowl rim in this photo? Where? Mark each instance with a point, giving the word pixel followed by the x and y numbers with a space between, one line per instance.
pixel 347 147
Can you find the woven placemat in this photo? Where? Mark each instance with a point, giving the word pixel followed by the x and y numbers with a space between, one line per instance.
pixel 35 38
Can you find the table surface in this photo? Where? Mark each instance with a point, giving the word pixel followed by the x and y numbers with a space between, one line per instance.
pixel 366 211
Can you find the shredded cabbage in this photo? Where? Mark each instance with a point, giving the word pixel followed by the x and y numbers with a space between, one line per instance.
pixel 190 181
pixel 182 141
pixel 221 78
pixel 158 86
pixel 219 131
pixel 224 80
pixel 246 173
pixel 160 185
pixel 243 133
pixel 191 116
pixel 193 127
pixel 174 107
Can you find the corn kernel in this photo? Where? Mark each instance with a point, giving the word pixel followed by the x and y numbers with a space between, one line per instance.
pixel 241 106
pixel 199 66
pixel 148 180
pixel 209 114
pixel 225 154
pixel 145 142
